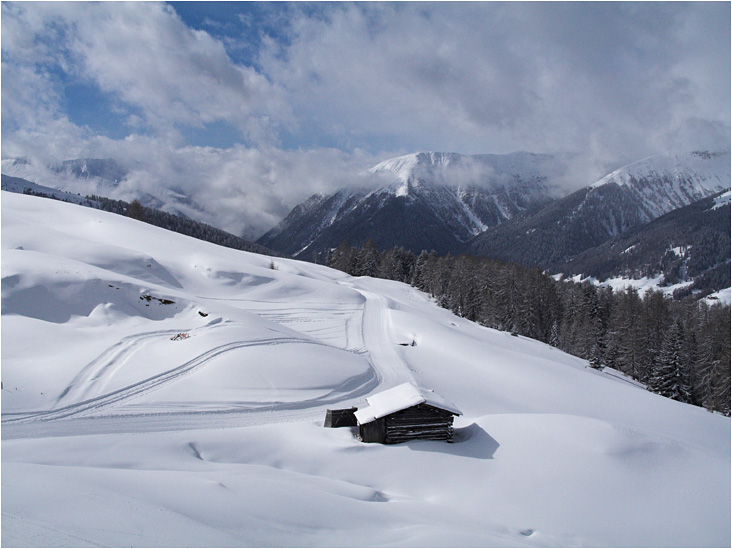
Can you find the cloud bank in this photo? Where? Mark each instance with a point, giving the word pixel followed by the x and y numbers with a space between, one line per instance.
pixel 251 110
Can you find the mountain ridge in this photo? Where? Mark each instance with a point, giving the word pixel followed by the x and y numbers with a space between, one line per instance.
pixel 623 200
pixel 447 198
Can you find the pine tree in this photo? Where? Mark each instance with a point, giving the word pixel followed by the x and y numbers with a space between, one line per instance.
pixel 713 359
pixel 136 210
pixel 367 259
pixel 625 335
pixel 554 340
pixel 655 320
pixel 343 258
pixel 670 376
pixel 418 276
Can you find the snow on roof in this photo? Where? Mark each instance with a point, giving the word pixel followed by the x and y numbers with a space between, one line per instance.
pixel 399 398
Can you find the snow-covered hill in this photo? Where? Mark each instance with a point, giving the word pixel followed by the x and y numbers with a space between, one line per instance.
pixel 421 201
pixel 162 391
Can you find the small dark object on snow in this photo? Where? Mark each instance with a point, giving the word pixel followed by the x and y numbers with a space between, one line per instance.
pixel 162 301
pixel 202 314
pixel 340 418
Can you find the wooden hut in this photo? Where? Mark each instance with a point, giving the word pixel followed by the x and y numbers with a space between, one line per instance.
pixel 406 412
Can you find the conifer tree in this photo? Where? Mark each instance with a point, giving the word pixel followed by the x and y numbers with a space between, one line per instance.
pixel 136 211
pixel 670 376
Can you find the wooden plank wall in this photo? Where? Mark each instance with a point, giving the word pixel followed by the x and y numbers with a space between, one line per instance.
pixel 340 418
pixel 419 422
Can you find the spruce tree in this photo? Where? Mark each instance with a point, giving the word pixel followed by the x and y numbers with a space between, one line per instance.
pixel 670 376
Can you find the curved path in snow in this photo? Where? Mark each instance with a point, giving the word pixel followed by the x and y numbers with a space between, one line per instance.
pixel 104 413
pixel 375 328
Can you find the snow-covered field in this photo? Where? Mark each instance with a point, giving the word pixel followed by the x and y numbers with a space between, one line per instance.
pixel 162 391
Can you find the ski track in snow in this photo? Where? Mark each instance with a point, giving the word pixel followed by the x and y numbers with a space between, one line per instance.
pixel 103 367
pixel 375 328
pixel 95 405
pixel 362 330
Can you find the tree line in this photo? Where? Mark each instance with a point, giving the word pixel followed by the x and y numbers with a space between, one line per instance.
pixel 676 348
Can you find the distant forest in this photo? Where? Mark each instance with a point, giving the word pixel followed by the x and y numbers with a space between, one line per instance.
pixel 676 348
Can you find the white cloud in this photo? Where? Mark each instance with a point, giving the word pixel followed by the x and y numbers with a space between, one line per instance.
pixel 613 81
pixel 479 77
pixel 144 55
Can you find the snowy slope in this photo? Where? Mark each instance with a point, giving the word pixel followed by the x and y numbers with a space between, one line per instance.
pixel 20 185
pixel 117 432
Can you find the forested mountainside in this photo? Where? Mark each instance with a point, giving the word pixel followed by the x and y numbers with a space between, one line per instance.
pixel 621 201
pixel 433 201
pixel 690 244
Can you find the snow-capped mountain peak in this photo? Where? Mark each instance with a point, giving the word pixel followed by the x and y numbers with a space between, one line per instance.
pixel 421 200
pixel 662 183
pixel 706 169
pixel 404 167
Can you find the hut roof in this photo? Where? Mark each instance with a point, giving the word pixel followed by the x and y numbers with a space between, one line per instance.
pixel 399 398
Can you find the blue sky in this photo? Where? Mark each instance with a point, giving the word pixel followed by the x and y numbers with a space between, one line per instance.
pixel 294 97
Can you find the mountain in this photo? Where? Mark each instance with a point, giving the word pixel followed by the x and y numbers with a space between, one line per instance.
pixel 424 200
pixel 100 176
pixel 689 246
pixel 159 218
pixel 624 199
pixel 106 169
pixel 162 391
pixel 92 173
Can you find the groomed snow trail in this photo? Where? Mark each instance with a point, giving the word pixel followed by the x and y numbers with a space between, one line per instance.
pixel 375 327
pixel 365 330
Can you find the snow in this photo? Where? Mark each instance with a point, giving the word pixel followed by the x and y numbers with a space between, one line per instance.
pixel 679 251
pixel 641 285
pixel 114 434
pixel 722 297
pixel 722 200
pixel 710 171
pixel 499 170
pixel 398 398
pixel 665 182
